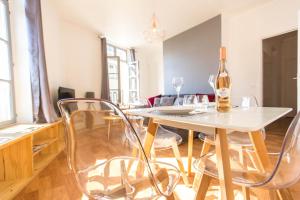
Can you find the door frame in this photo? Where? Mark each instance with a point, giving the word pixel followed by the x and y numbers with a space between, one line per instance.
pixel 298 60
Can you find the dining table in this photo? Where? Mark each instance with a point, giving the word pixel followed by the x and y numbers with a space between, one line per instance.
pixel 209 121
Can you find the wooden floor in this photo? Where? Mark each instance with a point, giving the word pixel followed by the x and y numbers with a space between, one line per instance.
pixel 57 182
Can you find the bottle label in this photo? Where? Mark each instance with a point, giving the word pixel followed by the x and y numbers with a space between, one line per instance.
pixel 223 92
pixel 223 74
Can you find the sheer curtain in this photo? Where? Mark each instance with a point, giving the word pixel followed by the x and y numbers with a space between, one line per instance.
pixel 105 82
pixel 43 109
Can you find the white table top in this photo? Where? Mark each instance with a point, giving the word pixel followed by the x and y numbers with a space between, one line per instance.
pixel 239 119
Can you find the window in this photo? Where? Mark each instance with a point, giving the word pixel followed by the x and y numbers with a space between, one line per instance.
pixel 122 76
pixel 7 114
pixel 134 81
pixel 114 78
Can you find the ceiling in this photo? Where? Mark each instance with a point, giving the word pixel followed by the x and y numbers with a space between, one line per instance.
pixel 123 21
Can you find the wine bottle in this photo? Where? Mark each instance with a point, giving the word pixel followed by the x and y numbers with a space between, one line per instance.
pixel 223 85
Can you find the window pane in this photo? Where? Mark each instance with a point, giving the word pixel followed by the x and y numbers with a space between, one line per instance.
pixel 4 61
pixel 3 21
pixel 114 96
pixel 132 84
pixel 124 65
pixel 113 66
pixel 132 71
pixel 110 50
pixel 5 105
pixel 113 81
pixel 132 96
pixel 122 54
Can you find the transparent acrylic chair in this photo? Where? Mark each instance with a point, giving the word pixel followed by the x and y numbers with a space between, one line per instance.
pixel 164 139
pixel 106 168
pixel 239 141
pixel 282 171
pixel 235 138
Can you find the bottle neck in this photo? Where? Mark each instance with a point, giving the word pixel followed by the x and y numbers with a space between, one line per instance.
pixel 222 65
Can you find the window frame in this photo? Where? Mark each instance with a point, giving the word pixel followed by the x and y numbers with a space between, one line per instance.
pixel 115 52
pixel 119 77
pixel 115 48
pixel 11 81
pixel 137 79
pixel 128 63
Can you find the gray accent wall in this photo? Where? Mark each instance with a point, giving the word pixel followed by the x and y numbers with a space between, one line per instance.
pixel 193 55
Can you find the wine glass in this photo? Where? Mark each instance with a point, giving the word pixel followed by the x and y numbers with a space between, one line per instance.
pixel 245 102
pixel 205 101
pixel 211 81
pixel 189 100
pixel 177 83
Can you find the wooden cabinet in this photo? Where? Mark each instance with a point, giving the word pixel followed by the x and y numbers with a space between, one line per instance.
pixel 25 150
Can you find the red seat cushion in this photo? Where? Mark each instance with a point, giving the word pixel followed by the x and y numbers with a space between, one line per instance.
pixel 211 97
pixel 151 99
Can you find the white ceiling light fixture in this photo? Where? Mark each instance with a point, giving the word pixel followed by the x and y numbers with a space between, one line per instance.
pixel 154 34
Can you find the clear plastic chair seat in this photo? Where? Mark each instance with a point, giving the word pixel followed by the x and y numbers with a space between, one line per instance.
pixel 245 173
pixel 277 170
pixel 236 139
pixel 163 138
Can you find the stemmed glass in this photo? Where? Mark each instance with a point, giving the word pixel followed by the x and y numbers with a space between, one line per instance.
pixel 177 83
pixel 201 102
pixel 211 81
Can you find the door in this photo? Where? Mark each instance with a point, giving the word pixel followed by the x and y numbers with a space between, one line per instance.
pixel 280 71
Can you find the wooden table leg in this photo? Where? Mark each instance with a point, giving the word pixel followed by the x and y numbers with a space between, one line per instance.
pixel 190 151
pixel 134 155
pixel 284 194
pixel 223 164
pixel 151 132
pixel 179 162
pixel 108 129
pixel 149 140
pixel 260 150
pixel 202 181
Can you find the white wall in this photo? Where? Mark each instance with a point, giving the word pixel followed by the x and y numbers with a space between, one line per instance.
pixel 52 43
pixel 23 100
pixel 73 54
pixel 150 57
pixel 81 60
pixel 73 57
pixel 242 34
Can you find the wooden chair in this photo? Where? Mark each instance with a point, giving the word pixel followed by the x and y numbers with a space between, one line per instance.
pixel 108 169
